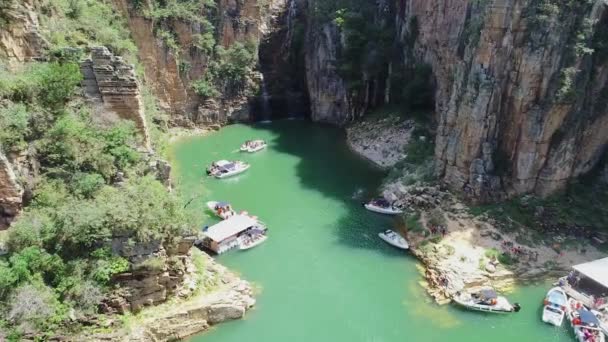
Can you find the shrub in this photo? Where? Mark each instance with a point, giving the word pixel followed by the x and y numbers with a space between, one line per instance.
pixel 34 307
pixel 14 128
pixel 436 218
pixel 412 222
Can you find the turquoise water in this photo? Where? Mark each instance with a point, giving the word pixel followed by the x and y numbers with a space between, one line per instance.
pixel 323 274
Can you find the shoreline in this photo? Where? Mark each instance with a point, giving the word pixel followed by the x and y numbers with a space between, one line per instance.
pixel 456 249
pixel 222 296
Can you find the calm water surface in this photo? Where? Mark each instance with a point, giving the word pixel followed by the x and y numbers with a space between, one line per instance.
pixel 323 274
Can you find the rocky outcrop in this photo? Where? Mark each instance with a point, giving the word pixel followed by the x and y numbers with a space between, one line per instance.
pixel 157 272
pixel 110 81
pixel 329 100
pixel 20 40
pixel 519 90
pixel 230 299
pixel 11 193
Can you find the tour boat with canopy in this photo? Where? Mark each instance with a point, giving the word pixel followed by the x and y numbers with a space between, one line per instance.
pixel 239 231
pixel 252 238
pixel 253 146
pixel 221 209
pixel 485 300
pixel 224 169
pixel 394 239
pixel 383 206
pixel 585 324
pixel 555 305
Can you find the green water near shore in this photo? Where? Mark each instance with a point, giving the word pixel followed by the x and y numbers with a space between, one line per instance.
pixel 323 274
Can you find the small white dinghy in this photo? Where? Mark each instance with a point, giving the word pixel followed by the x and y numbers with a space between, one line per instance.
pixel 382 206
pixel 224 169
pixel 555 305
pixel 485 300
pixel 585 324
pixel 394 239
pixel 222 210
pixel 253 146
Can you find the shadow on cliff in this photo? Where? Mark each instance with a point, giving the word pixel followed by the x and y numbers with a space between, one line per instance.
pixel 329 167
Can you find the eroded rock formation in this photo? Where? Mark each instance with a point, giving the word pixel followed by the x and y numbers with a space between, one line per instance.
pixel 520 91
pixel 110 81
pixel 521 87
pixel 171 72
pixel 20 39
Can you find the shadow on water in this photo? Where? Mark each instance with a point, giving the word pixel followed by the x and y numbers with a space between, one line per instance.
pixel 337 173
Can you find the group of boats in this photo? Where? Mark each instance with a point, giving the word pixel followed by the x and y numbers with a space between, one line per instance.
pixel 225 168
pixel 580 298
pixel 382 206
pixel 237 230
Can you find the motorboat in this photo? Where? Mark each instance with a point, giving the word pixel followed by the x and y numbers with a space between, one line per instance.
pixel 221 209
pixel 394 239
pixel 224 169
pixel 485 300
pixel 383 206
pixel 584 323
pixel 555 305
pixel 253 146
pixel 253 237
pixel 602 316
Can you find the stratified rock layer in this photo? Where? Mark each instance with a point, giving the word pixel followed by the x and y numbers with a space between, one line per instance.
pixel 506 126
pixel 20 39
pixel 11 193
pixel 109 80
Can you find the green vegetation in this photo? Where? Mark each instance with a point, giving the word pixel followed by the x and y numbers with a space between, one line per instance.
pixel 91 188
pixel 412 222
pixel 228 70
pixel 418 165
pixel 579 210
pixel 85 23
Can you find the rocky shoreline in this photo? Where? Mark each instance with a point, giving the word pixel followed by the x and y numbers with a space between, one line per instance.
pixel 457 249
pixel 229 299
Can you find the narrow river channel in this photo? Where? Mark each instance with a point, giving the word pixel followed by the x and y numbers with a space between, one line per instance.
pixel 323 274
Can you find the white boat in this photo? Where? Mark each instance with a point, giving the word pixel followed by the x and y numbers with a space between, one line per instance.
pixel 555 305
pixel 224 169
pixel 253 146
pixel 485 300
pixel 250 242
pixel 394 239
pixel 221 209
pixel 584 323
pixel 382 206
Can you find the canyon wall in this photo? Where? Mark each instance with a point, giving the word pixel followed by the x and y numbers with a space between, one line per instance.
pixel 521 87
pixel 171 70
pixel 521 90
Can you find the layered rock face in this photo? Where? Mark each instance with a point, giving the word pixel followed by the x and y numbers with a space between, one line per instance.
pixel 170 73
pixel 20 39
pixel 520 96
pixel 110 81
pixel 158 272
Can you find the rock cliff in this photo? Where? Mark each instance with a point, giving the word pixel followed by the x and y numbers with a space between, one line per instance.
pixel 521 89
pixel 520 86
pixel 108 80
pixel 11 193
pixel 172 68
pixel 20 38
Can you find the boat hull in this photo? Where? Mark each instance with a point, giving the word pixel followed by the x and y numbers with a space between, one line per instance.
pixel 258 242
pixel 401 243
pixel 484 308
pixel 225 215
pixel 231 173
pixel 380 210
pixel 553 317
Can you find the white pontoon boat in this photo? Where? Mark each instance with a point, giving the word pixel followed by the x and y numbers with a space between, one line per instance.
pixel 224 169
pixel 253 146
pixel 555 305
pixel 222 210
pixel 382 206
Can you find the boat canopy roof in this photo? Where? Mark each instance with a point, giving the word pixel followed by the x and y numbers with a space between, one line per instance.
pixel 227 228
pixel 588 318
pixel 222 204
pixel 596 270
pixel 488 294
pixel 222 162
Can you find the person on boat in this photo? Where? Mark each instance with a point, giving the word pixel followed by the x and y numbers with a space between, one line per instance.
pixel 576 321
